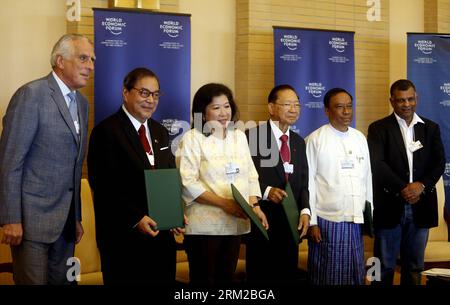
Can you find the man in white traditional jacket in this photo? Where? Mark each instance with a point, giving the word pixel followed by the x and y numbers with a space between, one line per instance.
pixel 340 182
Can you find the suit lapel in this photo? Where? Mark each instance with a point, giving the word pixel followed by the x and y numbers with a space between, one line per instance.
pixel 274 150
pixel 419 135
pixel 397 134
pixel 60 102
pixel 133 138
pixel 81 120
pixel 294 155
pixel 155 140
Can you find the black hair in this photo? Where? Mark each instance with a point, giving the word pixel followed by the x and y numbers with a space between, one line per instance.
pixel 332 92
pixel 204 96
pixel 137 74
pixel 402 85
pixel 273 95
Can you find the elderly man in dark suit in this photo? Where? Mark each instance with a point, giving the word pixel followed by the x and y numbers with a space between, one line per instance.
pixel 121 147
pixel 407 157
pixel 279 156
pixel 41 155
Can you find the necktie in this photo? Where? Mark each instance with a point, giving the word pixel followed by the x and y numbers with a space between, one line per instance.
pixel 144 140
pixel 284 151
pixel 73 106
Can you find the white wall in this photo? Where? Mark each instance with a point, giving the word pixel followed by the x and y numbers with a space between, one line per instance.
pixel 404 16
pixel 28 30
pixel 213 41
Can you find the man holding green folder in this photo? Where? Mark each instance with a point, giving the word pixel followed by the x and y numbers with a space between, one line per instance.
pixel 283 161
pixel 121 148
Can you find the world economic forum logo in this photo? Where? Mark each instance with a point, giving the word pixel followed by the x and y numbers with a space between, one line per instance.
pixel 425 46
pixel 172 28
pixel 290 41
pixel 315 89
pixel 446 88
pixel 447 169
pixel 338 43
pixel 114 25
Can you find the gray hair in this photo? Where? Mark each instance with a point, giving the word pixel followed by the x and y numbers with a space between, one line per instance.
pixel 64 47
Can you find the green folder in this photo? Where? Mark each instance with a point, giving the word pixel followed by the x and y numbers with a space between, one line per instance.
pixel 164 198
pixel 292 214
pixel 368 220
pixel 248 210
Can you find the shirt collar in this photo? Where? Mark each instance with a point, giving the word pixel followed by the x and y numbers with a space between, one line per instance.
pixel 416 119
pixel 136 123
pixel 277 131
pixel 339 133
pixel 62 86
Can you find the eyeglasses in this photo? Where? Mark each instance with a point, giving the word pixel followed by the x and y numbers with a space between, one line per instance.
pixel 288 105
pixel 145 93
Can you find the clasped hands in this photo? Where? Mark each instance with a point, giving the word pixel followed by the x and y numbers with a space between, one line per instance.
pixel 411 193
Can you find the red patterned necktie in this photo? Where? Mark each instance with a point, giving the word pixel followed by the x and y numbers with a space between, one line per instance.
pixel 284 151
pixel 144 140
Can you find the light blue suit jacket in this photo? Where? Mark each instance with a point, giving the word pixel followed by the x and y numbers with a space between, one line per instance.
pixel 41 159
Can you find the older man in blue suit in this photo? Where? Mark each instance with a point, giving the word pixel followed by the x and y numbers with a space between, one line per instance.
pixel 41 156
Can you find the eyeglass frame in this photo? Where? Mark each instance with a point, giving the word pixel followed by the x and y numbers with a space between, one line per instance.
pixel 288 105
pixel 150 93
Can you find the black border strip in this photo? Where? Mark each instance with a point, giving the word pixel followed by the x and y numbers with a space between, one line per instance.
pixel 137 10
pixel 309 29
pixel 434 34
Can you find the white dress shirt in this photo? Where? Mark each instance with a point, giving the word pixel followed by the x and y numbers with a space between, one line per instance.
pixel 408 138
pixel 137 125
pixel 277 134
pixel 64 89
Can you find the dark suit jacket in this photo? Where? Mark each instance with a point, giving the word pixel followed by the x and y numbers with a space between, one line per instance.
pixel 390 171
pixel 276 260
pixel 263 147
pixel 116 164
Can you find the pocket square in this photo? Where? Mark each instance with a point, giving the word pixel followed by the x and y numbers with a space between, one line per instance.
pixel 164 148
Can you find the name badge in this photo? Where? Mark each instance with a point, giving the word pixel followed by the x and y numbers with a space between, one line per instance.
pixel 231 170
pixel 151 159
pixel 77 126
pixel 347 163
pixel 288 168
pixel 414 146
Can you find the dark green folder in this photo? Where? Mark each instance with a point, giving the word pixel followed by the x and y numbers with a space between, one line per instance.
pixel 292 214
pixel 248 210
pixel 368 220
pixel 164 198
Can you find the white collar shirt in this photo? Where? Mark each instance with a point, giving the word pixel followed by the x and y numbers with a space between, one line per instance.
pixel 137 125
pixel 277 134
pixel 408 138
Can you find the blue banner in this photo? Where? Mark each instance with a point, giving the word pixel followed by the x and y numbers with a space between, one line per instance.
pixel 429 70
pixel 314 61
pixel 161 42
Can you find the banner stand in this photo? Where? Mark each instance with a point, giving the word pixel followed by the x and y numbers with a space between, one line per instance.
pixel 128 38
pixel 313 62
